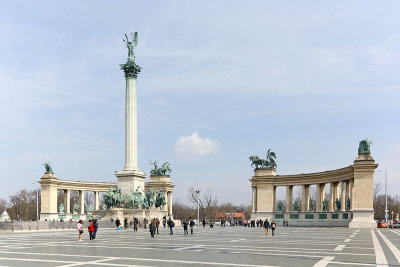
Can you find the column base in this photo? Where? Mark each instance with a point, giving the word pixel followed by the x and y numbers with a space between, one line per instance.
pixel 363 219
pixel 262 215
pixel 128 181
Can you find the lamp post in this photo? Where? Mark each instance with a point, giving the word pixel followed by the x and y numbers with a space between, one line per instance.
pixel 198 206
pixel 386 208
pixel 37 201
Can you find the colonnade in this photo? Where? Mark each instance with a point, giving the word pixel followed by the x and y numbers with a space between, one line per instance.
pixel 354 183
pixel 341 190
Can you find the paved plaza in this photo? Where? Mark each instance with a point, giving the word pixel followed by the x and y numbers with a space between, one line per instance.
pixel 230 246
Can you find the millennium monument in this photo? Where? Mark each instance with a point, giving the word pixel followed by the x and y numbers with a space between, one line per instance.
pixel 350 202
pixel 131 196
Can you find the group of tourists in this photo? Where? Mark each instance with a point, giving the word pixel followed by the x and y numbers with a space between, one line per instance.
pixel 93 226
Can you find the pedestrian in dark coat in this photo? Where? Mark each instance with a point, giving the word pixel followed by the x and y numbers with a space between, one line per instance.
pixel 191 223
pixel 185 226
pixel 273 226
pixel 266 226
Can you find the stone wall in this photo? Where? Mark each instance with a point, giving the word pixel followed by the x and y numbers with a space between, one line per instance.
pixel 47 225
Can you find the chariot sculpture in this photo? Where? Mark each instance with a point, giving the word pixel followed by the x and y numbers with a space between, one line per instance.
pixel 268 163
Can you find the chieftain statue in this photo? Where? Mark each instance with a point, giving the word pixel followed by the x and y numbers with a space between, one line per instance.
pixel 364 146
pixel 268 163
pixel 61 208
pixel 75 208
pixel 163 170
pixel 47 167
pixel 160 200
pixel 348 203
pixel 296 206
pixel 280 206
pixel 324 205
pixel 311 206
pixel 338 204
pixel 114 198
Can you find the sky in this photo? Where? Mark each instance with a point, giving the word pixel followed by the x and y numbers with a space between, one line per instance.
pixel 220 81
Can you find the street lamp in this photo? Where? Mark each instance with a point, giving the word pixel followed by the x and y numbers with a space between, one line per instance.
pixel 198 206
pixel 37 201
pixel 386 208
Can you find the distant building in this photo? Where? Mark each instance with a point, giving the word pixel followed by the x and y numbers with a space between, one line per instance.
pixel 5 217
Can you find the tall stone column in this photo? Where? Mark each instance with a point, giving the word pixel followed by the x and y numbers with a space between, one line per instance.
pixel 289 198
pixel 67 201
pixel 274 199
pixel 343 195
pixel 96 200
pixel 348 191
pixel 81 202
pixel 305 197
pixel 130 177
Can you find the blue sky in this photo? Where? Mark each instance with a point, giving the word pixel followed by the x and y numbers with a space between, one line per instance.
pixel 221 80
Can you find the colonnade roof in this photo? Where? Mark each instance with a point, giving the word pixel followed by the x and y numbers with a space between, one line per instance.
pixel 337 175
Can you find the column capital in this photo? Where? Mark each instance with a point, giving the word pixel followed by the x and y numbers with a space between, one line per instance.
pixel 131 69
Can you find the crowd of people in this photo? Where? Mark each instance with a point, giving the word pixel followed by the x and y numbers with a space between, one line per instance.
pixel 153 225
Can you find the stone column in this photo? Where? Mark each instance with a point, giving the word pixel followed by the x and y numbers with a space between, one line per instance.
pixel 289 198
pixel 81 202
pixel 320 196
pixel 96 200
pixel 253 199
pixel 348 191
pixel 170 203
pixel 67 201
pixel 333 196
pixel 343 195
pixel 305 197
pixel 274 200
pixel 351 194
pixel 48 194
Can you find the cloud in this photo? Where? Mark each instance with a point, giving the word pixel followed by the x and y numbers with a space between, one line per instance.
pixel 194 145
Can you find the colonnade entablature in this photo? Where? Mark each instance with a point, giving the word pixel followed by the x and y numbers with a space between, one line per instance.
pixel 349 202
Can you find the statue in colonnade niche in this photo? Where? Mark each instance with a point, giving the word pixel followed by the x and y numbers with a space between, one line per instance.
pixel 364 146
pixel 268 163
pixel 280 206
pixel 311 206
pixel 296 206
pixel 89 208
pixel 160 200
pixel 324 205
pixel 104 207
pixel 163 170
pixel 338 204
pixel 75 208
pixel 48 167
pixel 348 203
pixel 61 208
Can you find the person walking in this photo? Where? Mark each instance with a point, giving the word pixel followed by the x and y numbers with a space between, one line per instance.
pixel 164 221
pixel 152 228
pixel 95 227
pixel 204 223
pixel 191 224
pixel 273 226
pixel 135 224
pixel 145 223
pixel 117 222
pixel 79 227
pixel 126 223
pixel 266 226
pixel 185 226
pixel 171 225
pixel 157 225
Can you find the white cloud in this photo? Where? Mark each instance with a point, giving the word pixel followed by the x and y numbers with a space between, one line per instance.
pixel 194 145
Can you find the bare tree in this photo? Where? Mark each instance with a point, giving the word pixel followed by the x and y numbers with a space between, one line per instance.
pixel 206 201
pixel 23 205
pixel 3 205
pixel 377 189
pixel 298 197
pixel 89 200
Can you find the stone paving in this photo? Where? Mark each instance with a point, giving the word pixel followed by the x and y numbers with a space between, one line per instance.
pixel 230 246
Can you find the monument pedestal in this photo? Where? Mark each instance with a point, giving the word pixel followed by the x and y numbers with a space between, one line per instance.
pixel 363 219
pixel 128 181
